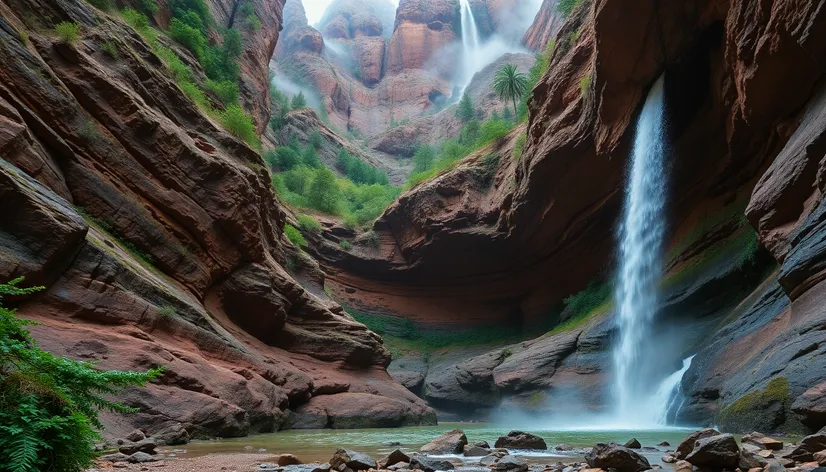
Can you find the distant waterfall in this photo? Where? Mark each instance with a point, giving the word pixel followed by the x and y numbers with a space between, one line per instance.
pixel 470 43
pixel 640 266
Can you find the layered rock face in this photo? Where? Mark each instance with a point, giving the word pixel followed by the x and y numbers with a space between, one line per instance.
pixel 545 26
pixel 745 135
pixel 159 238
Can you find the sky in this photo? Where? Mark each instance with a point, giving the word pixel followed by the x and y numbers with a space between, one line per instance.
pixel 315 9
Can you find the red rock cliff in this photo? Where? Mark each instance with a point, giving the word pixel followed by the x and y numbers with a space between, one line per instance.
pixel 160 241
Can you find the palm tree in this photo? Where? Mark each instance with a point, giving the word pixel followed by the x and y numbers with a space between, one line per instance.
pixel 510 84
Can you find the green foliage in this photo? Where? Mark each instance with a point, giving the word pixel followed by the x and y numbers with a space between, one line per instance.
pixel 540 66
pixel 286 158
pixel 596 294
pixel 104 5
pixel 294 235
pixel 221 62
pixel 465 110
pixel 567 6
pixel 49 405
pixel 225 90
pixel 167 311
pixel 345 245
pixel 89 131
pixel 423 158
pixel 149 6
pixel 140 23
pixel 324 193
pixel 492 130
pixel 584 85
pixel 490 165
pixel 188 8
pixel 299 101
pixel 280 106
pixel 519 146
pixel 359 171
pixel 235 120
pixel 766 409
pixel 510 84
pixel 507 115
pixel 308 224
pixel 309 157
pixel 315 139
pixel 187 35
pixel 24 37
pixel 69 32
pixel 246 13
pixel 110 49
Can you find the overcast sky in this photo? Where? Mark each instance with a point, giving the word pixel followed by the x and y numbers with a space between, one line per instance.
pixel 315 8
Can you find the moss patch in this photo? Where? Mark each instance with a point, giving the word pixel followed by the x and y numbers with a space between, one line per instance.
pixel 761 410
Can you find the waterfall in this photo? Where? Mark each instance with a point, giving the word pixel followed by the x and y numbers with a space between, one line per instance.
pixel 470 43
pixel 640 267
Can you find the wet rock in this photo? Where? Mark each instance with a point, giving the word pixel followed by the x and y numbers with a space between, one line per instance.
pixel 135 436
pixel 811 406
pixel 392 443
pixel 451 442
pixel 393 458
pixel 288 459
pixel 664 444
pixel 820 457
pixel 762 441
pixel 116 457
pixel 521 440
pixel 715 452
pixel 808 446
pixel 614 456
pixel 325 467
pixel 564 447
pixel 774 466
pixel 765 453
pixel 475 451
pixel 633 444
pixel 685 447
pixel 489 460
pixel 484 444
pixel 145 445
pixel 399 466
pixel 751 461
pixel 749 448
pixel 268 467
pixel 668 458
pixel 141 457
pixel 428 464
pixel 509 463
pixel 352 460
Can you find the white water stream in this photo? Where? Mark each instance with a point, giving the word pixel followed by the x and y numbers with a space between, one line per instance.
pixel 640 269
pixel 470 42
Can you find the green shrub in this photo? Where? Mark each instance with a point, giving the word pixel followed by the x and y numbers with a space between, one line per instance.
pixel 89 131
pixel 196 95
pixel 104 5
pixel 252 23
pixel 298 179
pixel 324 194
pixel 567 6
pixel 309 157
pixel 110 49
pixel 766 409
pixel 24 37
pixel 345 245
pixel 225 90
pixel 294 235
pixel 68 32
pixel 584 85
pixel 49 405
pixel 423 158
pixel 167 311
pixel 519 146
pixel 187 36
pixel 221 62
pixel 180 71
pixel 299 101
pixel 139 22
pixel 492 130
pixel 199 8
pixel 149 6
pixel 308 224
pixel 596 294
pixel 235 120
pixel 465 110
pixel 287 157
pixel 315 139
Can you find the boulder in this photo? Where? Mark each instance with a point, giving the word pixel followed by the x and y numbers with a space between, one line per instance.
pixel 393 458
pixel 288 459
pixel 135 436
pixel 451 442
pixel 820 457
pixel 116 457
pixel 484 444
pixel 762 441
pixel 399 466
pixel 521 440
pixel 765 453
pixel 751 461
pixel 685 447
pixel 807 448
pixel 633 444
pixel 668 458
pixel 427 464
pixel 325 467
pixel 489 459
pixel 475 451
pixel 683 466
pixel 140 457
pixel 352 460
pixel 509 463
pixel 564 447
pixel 614 456
pixel 715 452
pixel 144 445
pixel 173 435
pixel 664 444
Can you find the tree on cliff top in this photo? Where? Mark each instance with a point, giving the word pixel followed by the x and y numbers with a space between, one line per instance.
pixel 49 405
pixel 465 110
pixel 510 84
pixel 324 192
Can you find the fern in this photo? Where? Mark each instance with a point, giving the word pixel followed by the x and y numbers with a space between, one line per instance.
pixel 49 405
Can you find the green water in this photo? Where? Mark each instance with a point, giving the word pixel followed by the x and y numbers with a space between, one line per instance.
pixel 319 445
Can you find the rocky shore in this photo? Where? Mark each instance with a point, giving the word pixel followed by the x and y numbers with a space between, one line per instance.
pixel 706 450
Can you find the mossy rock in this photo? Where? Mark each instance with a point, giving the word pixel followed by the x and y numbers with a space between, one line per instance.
pixel 762 410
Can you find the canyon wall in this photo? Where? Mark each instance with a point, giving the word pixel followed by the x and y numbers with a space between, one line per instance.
pixel 159 239
pixel 504 243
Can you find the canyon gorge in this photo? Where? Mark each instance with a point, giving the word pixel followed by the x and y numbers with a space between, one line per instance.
pixel 446 275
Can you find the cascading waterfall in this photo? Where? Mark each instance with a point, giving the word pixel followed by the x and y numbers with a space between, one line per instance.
pixel 470 42
pixel 640 267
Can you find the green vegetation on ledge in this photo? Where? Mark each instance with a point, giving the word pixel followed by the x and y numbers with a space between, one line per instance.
pixel 762 410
